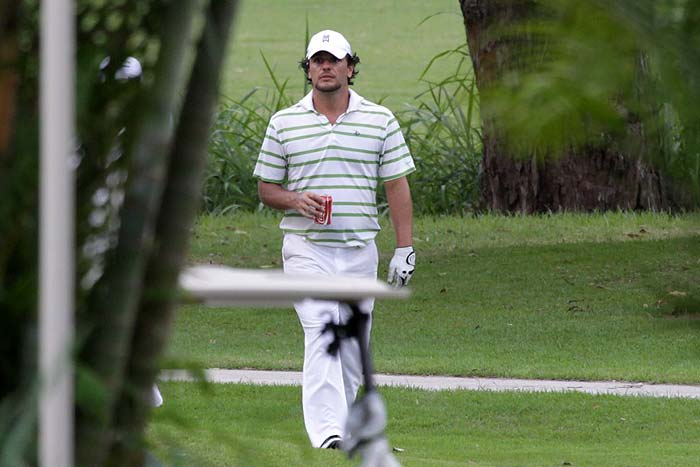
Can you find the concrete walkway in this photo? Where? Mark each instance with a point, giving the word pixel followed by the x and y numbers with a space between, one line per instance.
pixel 293 378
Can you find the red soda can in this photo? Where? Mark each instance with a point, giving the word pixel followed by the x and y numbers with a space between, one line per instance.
pixel 324 217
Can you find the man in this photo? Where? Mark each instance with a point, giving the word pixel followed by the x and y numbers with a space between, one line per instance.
pixel 334 142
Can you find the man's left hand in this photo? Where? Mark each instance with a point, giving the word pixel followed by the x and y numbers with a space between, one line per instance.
pixel 402 266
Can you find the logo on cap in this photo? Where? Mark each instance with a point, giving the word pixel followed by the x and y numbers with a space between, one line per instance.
pixel 326 38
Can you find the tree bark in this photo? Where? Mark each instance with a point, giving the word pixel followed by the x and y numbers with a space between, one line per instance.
pixel 180 205
pixel 593 178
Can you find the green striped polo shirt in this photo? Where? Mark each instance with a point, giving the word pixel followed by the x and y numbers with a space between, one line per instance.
pixel 302 151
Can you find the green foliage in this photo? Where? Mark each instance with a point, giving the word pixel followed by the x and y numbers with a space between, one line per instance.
pixel 567 83
pixel 233 149
pixel 123 136
pixel 596 67
pixel 18 423
pixel 441 132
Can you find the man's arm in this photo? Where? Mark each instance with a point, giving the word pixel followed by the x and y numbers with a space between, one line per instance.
pixel 402 265
pixel 398 195
pixel 276 197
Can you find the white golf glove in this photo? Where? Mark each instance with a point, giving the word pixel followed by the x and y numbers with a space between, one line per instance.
pixel 402 266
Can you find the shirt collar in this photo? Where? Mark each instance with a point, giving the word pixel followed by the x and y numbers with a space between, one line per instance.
pixel 307 102
pixel 355 101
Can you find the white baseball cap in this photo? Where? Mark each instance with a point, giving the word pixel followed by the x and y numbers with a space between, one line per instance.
pixel 328 41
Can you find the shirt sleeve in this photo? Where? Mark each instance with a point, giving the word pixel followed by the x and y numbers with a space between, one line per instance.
pixel 396 160
pixel 272 163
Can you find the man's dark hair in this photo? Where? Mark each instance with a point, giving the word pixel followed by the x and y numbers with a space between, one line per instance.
pixel 352 61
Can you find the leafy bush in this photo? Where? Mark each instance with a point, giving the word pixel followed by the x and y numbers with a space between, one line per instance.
pixel 444 143
pixel 233 150
pixel 234 145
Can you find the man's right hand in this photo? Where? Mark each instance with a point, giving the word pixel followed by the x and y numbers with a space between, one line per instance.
pixel 275 196
pixel 308 204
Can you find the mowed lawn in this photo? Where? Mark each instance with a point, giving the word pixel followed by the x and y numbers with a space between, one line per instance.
pixel 244 425
pixel 392 38
pixel 593 297
pixel 610 296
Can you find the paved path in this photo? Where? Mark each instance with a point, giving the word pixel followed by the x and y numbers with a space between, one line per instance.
pixel 451 383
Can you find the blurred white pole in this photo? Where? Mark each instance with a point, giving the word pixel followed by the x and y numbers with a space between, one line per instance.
pixel 56 250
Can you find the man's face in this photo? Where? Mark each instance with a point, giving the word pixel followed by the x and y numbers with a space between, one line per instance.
pixel 328 73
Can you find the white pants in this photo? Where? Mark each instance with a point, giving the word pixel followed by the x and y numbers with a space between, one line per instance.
pixel 329 383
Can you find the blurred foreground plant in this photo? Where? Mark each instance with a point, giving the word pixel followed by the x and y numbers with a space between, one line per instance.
pixel 138 168
pixel 590 85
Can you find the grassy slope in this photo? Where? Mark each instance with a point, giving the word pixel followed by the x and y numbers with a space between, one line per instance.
pixel 590 297
pixel 393 45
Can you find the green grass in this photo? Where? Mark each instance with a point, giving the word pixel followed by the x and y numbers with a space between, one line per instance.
pixel 244 425
pixel 390 36
pixel 608 296
pixel 592 297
